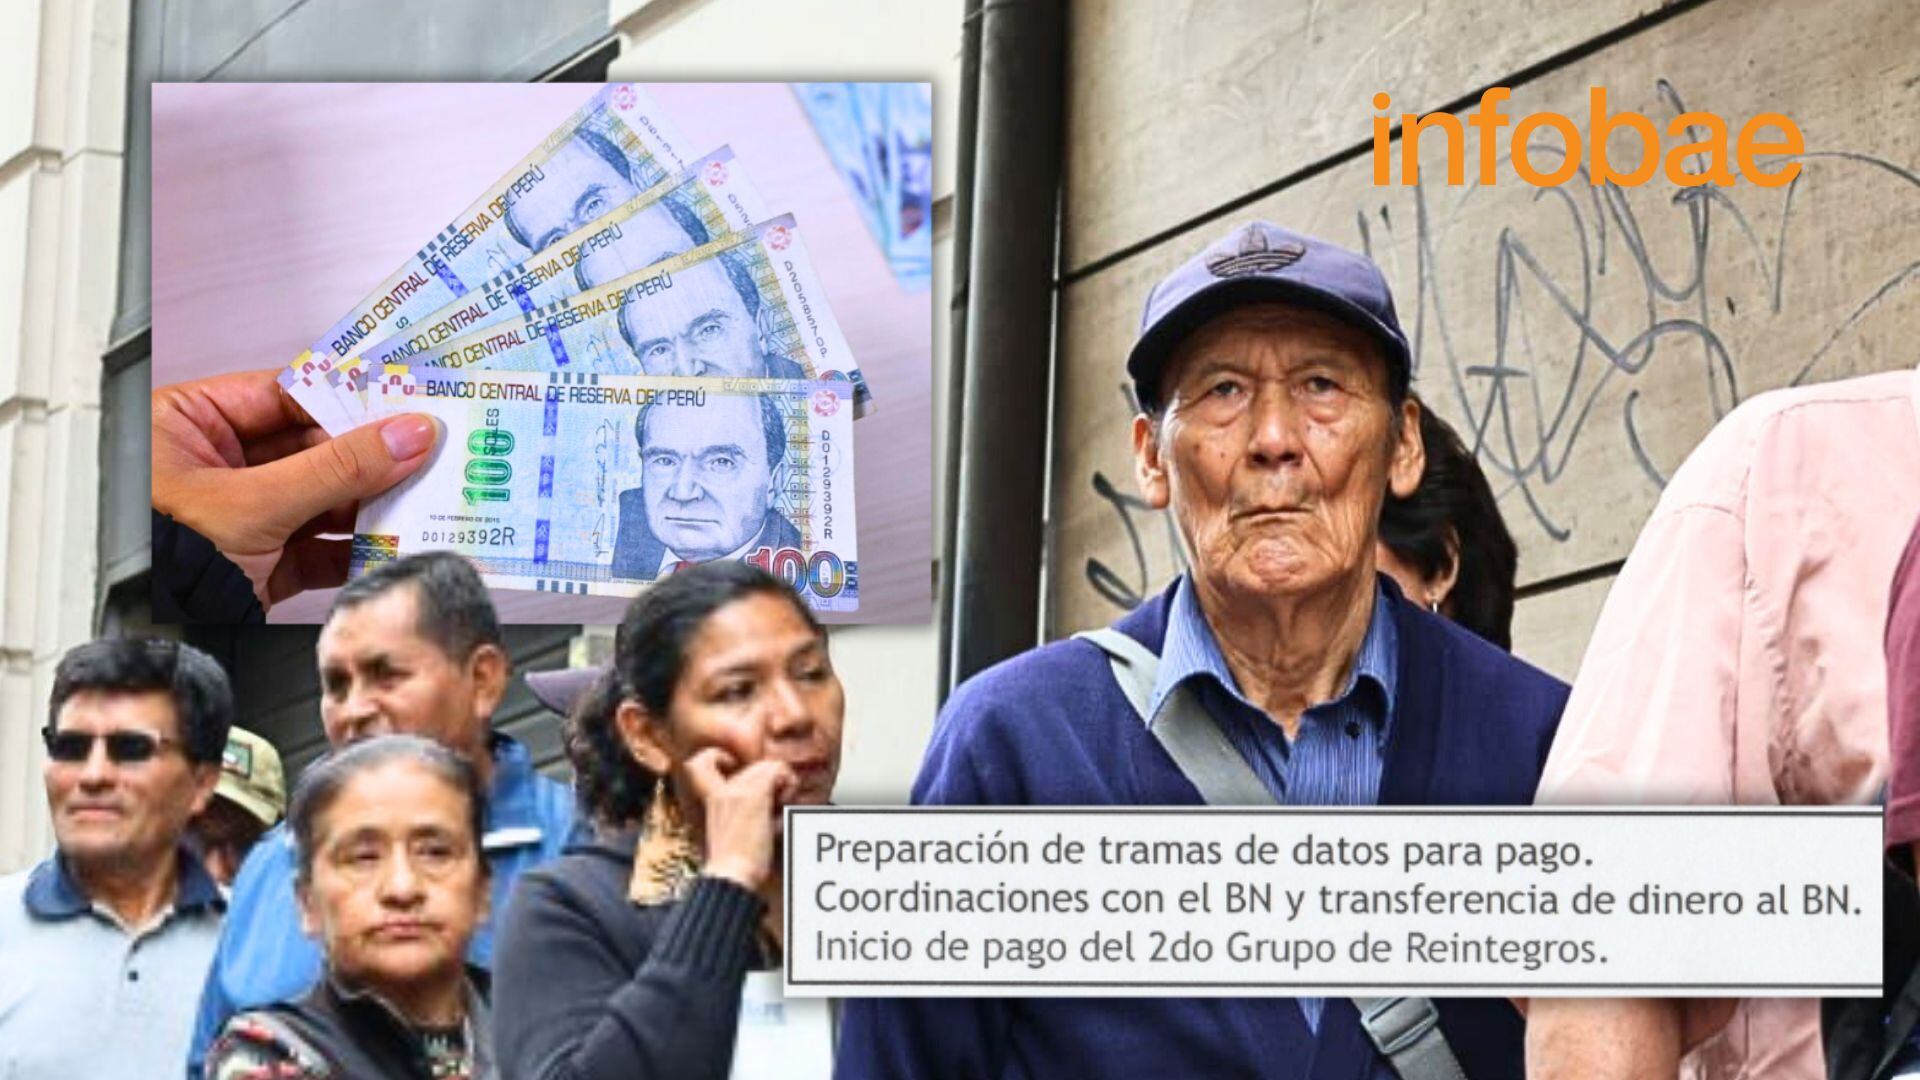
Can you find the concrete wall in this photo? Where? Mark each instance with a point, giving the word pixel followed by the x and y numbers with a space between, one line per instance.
pixel 1582 338
pixel 62 95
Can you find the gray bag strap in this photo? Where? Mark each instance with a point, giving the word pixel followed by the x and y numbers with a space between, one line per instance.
pixel 1405 1030
pixel 1183 728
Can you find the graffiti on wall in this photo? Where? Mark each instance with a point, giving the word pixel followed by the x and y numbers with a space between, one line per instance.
pixel 1538 322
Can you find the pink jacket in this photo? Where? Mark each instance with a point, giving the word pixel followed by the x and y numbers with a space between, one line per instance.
pixel 1738 657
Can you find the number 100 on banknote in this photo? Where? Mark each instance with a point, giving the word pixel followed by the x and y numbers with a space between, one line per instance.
pixel 597 484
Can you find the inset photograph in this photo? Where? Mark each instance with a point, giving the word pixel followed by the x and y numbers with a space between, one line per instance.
pixel 583 336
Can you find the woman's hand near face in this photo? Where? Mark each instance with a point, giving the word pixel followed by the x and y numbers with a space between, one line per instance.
pixel 740 811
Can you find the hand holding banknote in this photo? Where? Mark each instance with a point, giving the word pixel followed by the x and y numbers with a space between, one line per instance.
pixel 238 461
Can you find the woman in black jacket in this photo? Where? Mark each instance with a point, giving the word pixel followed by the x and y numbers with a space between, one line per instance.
pixel 391 883
pixel 627 956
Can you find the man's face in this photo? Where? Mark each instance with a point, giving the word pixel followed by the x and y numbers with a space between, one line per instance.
pixel 579 186
pixel 380 676
pixel 1276 450
pixel 700 326
pixel 127 815
pixel 396 887
pixel 227 831
pixel 705 474
pixel 648 237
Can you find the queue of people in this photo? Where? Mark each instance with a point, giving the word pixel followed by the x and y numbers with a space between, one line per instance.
pixel 432 907
pixel 359 935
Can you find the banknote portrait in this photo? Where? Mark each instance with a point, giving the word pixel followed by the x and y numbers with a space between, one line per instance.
pixel 707 323
pixel 707 480
pixel 586 177
pixel 654 234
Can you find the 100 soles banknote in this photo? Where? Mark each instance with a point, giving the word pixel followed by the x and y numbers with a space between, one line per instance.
pixel 746 305
pixel 712 198
pixel 590 484
pixel 606 154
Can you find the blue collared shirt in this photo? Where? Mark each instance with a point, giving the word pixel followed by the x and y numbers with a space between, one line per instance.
pixel 264 958
pixel 1337 756
pixel 78 985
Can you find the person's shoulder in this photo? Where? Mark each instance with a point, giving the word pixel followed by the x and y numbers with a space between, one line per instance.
pixel 13 887
pixel 1007 733
pixel 13 900
pixel 581 891
pixel 1485 668
pixel 1794 423
pixel 1057 673
pixel 1815 398
pixel 263 956
pixel 584 875
pixel 1061 676
pixel 1047 725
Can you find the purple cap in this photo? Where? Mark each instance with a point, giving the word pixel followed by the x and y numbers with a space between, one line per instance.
pixel 1260 261
pixel 559 690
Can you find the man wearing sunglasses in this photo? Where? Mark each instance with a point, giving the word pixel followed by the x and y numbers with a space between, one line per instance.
pixel 413 647
pixel 104 945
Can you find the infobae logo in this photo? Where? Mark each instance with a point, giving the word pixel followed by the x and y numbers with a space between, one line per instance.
pixel 1701 134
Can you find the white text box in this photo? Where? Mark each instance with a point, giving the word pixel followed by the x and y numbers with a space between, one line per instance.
pixel 1749 902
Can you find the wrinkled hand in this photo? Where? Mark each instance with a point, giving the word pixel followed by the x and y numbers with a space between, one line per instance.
pixel 741 813
pixel 238 461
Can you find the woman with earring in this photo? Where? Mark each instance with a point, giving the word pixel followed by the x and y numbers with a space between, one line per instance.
pixel 391 882
pixel 629 955
pixel 1445 545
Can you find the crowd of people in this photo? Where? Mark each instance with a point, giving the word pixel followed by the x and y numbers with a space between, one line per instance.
pixel 431 906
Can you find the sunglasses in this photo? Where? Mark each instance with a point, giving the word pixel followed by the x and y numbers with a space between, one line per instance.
pixel 123 747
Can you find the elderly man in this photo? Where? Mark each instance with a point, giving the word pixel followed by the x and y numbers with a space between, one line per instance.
pixel 413 647
pixel 1273 378
pixel 103 946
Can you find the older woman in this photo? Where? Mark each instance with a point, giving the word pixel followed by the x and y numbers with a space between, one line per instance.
pixel 628 956
pixel 391 883
pixel 1446 544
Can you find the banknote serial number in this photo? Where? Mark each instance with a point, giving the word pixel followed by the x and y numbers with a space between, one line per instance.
pixel 499 536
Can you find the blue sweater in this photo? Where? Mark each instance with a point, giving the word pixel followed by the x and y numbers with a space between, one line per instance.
pixel 1051 727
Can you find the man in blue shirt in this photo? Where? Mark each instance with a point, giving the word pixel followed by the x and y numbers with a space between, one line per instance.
pixel 413 647
pixel 1273 379
pixel 103 945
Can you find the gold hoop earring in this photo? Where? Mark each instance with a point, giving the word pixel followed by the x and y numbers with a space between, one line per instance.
pixel 668 857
